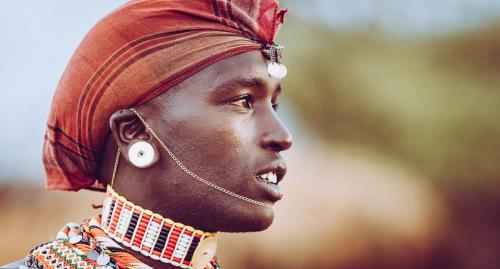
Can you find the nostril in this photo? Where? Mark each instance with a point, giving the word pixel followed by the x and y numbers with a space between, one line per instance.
pixel 277 145
pixel 286 143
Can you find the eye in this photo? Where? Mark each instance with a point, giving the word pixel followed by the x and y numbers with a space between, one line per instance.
pixel 276 106
pixel 245 101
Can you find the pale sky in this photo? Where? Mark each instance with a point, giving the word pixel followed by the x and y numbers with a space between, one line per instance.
pixel 401 17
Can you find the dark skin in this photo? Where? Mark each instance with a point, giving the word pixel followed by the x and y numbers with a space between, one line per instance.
pixel 222 124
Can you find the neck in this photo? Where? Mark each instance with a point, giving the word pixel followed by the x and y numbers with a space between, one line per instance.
pixel 152 238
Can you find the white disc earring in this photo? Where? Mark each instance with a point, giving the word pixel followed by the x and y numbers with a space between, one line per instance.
pixel 141 154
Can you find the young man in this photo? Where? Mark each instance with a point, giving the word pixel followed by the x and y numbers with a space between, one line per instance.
pixel 169 106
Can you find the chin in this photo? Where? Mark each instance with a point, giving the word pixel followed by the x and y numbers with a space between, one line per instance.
pixel 265 220
pixel 251 221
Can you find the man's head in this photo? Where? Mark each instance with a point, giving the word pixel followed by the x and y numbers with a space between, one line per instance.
pixel 222 124
pixel 196 73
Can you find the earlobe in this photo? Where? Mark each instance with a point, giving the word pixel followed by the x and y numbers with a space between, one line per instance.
pixel 142 154
pixel 132 138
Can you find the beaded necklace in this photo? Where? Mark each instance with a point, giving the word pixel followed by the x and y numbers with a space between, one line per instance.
pixel 151 234
pixel 82 246
pixel 93 243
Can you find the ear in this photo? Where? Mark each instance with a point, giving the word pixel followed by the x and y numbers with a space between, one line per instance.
pixel 127 129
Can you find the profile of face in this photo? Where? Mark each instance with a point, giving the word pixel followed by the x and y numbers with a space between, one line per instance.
pixel 222 124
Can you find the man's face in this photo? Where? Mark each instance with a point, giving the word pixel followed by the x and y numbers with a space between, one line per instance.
pixel 222 124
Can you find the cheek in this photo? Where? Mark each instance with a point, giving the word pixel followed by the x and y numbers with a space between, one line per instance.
pixel 216 146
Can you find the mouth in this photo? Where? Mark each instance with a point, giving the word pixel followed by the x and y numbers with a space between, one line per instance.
pixel 268 180
pixel 270 177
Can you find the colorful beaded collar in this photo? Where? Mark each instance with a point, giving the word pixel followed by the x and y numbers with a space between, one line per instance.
pixel 151 234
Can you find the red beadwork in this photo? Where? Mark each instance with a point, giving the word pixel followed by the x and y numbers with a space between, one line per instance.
pixel 142 226
pixel 114 221
pixel 174 236
pixel 143 223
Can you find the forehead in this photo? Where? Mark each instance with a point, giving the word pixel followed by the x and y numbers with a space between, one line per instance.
pixel 247 66
pixel 250 64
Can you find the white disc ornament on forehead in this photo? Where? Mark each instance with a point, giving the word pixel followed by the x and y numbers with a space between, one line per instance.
pixel 276 70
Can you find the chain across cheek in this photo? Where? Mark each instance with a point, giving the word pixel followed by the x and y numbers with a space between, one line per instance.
pixel 212 146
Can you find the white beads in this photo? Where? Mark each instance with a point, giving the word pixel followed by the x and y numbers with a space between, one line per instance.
pixel 182 246
pixel 150 236
pixel 105 210
pixel 125 231
pixel 123 221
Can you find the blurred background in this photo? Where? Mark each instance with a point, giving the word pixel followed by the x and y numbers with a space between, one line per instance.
pixel 395 111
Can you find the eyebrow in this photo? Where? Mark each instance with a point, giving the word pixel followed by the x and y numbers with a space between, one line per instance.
pixel 252 83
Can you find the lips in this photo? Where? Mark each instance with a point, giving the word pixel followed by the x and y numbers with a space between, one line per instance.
pixel 267 180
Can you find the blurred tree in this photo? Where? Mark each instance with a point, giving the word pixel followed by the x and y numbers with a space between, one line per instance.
pixel 433 103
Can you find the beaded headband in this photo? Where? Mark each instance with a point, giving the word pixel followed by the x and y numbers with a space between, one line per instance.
pixel 148 233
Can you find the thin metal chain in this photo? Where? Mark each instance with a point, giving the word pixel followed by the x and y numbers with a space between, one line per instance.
pixel 187 171
pixel 117 159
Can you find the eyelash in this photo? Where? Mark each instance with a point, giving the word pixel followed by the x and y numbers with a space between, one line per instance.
pixel 248 102
pixel 247 98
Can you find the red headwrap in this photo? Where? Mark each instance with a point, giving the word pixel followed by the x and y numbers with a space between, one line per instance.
pixel 140 50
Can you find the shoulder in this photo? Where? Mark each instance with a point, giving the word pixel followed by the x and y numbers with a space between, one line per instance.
pixel 17 264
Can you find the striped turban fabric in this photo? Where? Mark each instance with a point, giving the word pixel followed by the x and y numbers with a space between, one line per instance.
pixel 135 53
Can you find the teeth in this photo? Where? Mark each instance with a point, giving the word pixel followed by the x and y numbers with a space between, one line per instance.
pixel 270 177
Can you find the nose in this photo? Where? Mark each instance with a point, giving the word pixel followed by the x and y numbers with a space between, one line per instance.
pixel 275 137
